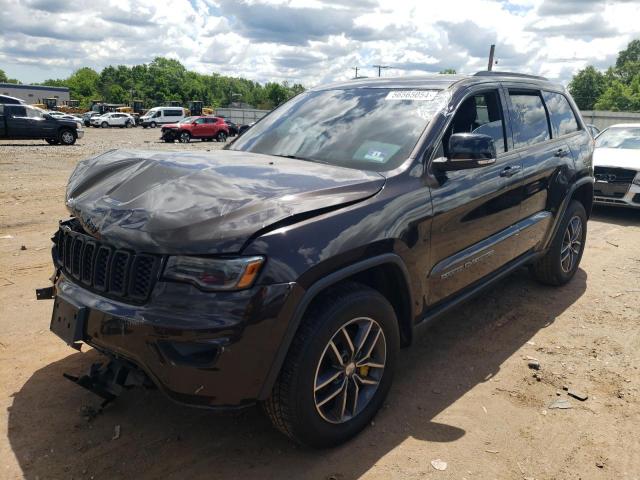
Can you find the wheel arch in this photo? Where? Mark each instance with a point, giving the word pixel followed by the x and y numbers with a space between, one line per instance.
pixel 581 190
pixel 385 273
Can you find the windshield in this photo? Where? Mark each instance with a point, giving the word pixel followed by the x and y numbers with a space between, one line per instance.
pixel 364 128
pixel 620 137
pixel 187 120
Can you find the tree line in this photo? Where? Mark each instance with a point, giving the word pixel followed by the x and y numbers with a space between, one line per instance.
pixel 617 89
pixel 164 80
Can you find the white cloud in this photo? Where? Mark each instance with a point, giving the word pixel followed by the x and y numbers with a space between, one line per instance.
pixel 314 41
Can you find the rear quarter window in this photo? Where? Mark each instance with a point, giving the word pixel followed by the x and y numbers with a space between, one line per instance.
pixel 529 120
pixel 563 119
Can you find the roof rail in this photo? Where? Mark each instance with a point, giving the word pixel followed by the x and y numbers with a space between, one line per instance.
pixel 488 73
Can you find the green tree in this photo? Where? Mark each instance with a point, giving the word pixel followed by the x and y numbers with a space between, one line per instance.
pixel 448 71
pixel 586 87
pixel 5 79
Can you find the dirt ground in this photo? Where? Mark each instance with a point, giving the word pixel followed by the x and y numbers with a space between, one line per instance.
pixel 463 393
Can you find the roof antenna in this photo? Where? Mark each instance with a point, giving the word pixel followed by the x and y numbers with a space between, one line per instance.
pixel 492 51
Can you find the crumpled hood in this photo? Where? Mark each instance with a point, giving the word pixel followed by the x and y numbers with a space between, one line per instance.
pixel 202 203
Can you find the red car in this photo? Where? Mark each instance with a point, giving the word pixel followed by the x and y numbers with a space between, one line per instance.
pixel 206 128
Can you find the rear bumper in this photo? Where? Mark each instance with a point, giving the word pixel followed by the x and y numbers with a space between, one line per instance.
pixel 210 350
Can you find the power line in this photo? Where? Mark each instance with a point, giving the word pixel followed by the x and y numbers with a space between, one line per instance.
pixel 380 68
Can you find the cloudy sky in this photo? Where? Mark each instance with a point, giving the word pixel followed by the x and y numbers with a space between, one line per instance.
pixel 314 41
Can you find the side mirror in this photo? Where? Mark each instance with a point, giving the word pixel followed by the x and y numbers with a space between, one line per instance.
pixel 468 150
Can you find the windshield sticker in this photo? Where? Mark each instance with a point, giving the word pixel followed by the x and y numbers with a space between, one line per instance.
pixel 378 152
pixel 414 95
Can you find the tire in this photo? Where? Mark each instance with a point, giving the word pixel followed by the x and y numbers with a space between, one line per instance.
pixel 298 406
pixel 144 126
pixel 153 124
pixel 555 268
pixel 104 125
pixel 67 137
pixel 221 137
pixel 52 141
pixel 128 124
pixel 184 137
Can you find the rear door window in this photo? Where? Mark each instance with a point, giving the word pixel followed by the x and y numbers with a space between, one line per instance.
pixel 529 120
pixel 563 120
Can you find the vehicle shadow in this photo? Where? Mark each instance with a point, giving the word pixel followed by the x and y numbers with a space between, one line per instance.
pixel 623 217
pixel 51 439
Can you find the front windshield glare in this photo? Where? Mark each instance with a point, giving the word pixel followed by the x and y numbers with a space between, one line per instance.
pixel 620 137
pixel 187 120
pixel 364 128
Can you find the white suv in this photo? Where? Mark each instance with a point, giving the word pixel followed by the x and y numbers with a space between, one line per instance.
pixel 113 119
pixel 616 162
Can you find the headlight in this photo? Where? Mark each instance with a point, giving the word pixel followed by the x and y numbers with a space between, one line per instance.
pixel 212 274
pixel 636 181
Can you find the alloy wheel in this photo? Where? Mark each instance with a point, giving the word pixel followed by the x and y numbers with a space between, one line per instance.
pixel 67 137
pixel 571 244
pixel 350 370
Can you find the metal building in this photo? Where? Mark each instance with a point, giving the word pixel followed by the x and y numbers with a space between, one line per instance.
pixel 35 93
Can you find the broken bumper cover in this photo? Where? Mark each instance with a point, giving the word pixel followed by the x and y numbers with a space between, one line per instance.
pixel 210 350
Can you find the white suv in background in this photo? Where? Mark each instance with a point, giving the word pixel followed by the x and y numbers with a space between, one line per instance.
pixel 162 115
pixel 616 165
pixel 113 119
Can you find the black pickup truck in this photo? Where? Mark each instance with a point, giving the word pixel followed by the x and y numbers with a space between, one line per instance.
pixel 24 122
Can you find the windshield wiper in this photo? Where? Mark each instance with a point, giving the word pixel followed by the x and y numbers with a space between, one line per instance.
pixel 295 157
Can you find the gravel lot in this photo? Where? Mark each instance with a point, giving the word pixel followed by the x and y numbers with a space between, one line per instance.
pixel 464 393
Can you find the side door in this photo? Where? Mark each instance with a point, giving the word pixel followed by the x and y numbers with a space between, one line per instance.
pixel 200 129
pixel 41 126
pixel 3 130
pixel 475 210
pixel 546 160
pixel 17 121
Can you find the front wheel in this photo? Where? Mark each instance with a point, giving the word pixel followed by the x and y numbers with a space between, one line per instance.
pixel 561 262
pixel 104 124
pixel 129 124
pixel 184 137
pixel 153 124
pixel 339 368
pixel 68 137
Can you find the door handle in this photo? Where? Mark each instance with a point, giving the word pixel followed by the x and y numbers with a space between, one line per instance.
pixel 510 171
pixel 561 152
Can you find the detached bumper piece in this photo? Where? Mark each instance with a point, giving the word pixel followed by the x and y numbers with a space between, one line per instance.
pixel 109 381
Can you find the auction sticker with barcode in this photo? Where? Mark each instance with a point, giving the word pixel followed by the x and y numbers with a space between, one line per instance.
pixel 416 95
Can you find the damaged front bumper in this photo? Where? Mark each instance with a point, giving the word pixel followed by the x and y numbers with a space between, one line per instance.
pixel 203 349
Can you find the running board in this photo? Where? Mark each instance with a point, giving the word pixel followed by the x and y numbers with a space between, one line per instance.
pixel 472 291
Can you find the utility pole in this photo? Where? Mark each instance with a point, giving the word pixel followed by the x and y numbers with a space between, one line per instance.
pixel 380 68
pixel 356 69
pixel 492 51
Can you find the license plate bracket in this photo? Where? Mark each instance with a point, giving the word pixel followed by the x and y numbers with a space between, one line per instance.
pixel 68 320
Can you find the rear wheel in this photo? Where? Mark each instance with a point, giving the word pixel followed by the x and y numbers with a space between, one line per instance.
pixel 339 368
pixel 184 137
pixel 221 137
pixel 67 137
pixel 561 262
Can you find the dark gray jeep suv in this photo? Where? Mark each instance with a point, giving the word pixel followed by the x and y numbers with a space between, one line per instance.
pixel 289 268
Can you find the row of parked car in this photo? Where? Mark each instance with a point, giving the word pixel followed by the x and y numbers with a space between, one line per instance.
pixel 175 124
